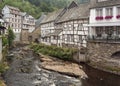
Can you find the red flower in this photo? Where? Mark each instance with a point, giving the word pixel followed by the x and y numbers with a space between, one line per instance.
pixel 118 16
pixel 99 18
pixel 108 17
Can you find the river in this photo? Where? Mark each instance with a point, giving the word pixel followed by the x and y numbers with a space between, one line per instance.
pixel 99 78
pixel 24 71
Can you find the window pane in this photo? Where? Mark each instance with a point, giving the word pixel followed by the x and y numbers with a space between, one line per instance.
pixel 118 10
pixel 109 12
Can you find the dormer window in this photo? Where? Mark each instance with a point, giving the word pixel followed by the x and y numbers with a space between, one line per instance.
pixel 99 14
pixel 109 13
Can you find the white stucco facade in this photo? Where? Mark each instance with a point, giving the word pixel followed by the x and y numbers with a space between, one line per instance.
pixel 12 17
pixel 112 22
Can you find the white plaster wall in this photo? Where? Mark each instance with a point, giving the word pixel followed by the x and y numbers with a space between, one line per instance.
pixel 6 11
pixel 113 20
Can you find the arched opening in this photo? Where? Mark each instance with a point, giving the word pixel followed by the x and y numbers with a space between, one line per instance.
pixel 116 55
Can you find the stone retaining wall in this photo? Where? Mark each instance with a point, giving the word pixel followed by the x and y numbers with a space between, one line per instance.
pixel 99 54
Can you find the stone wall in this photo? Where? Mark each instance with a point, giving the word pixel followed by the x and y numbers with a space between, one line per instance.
pixel 69 45
pixel 36 34
pixel 17 37
pixel 24 35
pixel 100 56
pixel 80 56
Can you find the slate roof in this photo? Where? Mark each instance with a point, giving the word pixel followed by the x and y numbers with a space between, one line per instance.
pixel 51 16
pixel 82 11
pixel 38 22
pixel 55 33
pixel 23 13
pixel 106 3
pixel 74 12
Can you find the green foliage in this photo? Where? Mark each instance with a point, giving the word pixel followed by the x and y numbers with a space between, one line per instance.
pixel 62 53
pixel 24 6
pixel 36 7
pixel 3 67
pixel 11 36
pixel 4 41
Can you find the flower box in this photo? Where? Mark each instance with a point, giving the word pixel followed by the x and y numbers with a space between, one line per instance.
pixel 108 17
pixel 99 18
pixel 118 16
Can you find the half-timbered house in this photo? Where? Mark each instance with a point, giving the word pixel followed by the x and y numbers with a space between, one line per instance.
pixel 74 34
pixel 12 17
pixel 48 27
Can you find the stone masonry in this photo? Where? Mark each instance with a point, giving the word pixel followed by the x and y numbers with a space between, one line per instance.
pixel 24 35
pixel 100 56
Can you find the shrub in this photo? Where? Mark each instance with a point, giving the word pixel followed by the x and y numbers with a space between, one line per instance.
pixel 3 67
pixel 58 52
pixel 4 41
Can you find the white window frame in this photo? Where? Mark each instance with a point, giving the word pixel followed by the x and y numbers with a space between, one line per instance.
pixel 109 11
pixel 99 12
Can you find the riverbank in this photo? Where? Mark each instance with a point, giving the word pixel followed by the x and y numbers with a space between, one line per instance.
pixel 25 70
pixel 104 56
pixel 64 67
pixel 2 82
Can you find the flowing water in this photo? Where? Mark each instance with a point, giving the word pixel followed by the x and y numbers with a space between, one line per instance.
pixel 24 71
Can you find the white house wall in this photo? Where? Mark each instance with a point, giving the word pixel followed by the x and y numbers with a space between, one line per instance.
pixel 93 16
pixel 6 12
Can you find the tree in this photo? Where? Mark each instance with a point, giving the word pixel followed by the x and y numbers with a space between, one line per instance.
pixel 11 36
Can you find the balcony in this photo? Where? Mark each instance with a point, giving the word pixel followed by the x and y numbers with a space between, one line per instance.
pixel 106 39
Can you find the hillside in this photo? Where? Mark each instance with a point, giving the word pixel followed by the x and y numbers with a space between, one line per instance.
pixel 36 7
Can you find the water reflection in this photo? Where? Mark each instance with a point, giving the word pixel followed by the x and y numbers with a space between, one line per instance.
pixel 99 78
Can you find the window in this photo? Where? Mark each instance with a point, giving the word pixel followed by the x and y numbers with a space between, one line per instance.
pixel 99 12
pixel 118 10
pixel 15 15
pixel 118 30
pixel 109 12
pixel 54 37
pixel 118 13
pixel 99 31
pixel 80 38
pixel 109 31
pixel 70 38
